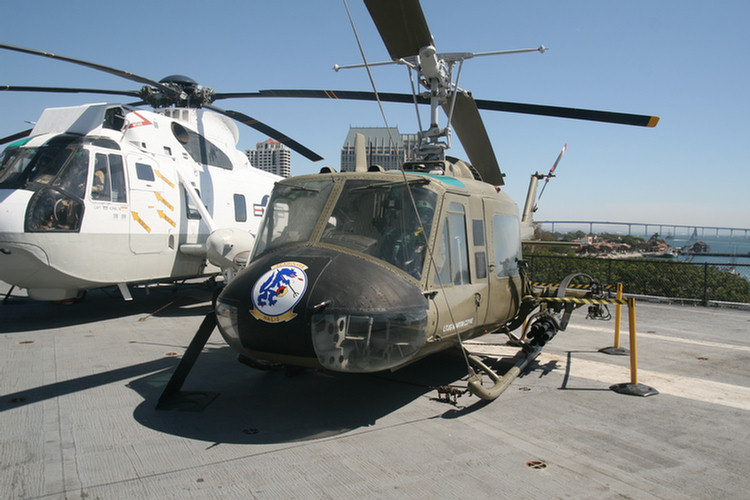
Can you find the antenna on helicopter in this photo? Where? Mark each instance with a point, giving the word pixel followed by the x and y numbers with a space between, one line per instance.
pixel 549 176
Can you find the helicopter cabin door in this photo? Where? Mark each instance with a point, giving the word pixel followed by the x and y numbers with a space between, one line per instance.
pixel 503 253
pixel 154 201
pixel 457 276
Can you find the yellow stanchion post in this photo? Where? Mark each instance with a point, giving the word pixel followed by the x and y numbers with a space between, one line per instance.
pixel 616 349
pixel 633 346
pixel 618 317
pixel 633 387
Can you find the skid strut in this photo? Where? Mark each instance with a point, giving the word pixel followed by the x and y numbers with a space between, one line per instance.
pixel 172 398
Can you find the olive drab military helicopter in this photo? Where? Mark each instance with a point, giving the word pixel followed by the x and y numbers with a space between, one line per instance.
pixel 371 270
pixel 112 194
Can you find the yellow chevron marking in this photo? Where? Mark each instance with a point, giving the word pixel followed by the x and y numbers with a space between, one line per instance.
pixel 165 217
pixel 165 202
pixel 161 176
pixel 140 221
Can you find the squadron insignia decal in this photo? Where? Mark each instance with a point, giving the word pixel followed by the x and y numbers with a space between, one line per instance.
pixel 276 293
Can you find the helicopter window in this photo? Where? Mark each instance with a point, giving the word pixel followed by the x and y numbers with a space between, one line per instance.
pixel 480 263
pixel 453 255
pixel 62 162
pixel 240 208
pixel 477 231
pixel 13 163
pixel 51 209
pixel 480 257
pixel 144 172
pixel 117 171
pixel 48 163
pixel 292 213
pixel 72 179
pixel 100 185
pixel 507 241
pixel 379 219
pixel 108 181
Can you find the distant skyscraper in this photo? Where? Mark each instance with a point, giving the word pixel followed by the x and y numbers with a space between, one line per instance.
pixel 271 156
pixel 380 149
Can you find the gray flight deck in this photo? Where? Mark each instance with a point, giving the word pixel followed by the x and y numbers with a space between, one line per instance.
pixel 80 384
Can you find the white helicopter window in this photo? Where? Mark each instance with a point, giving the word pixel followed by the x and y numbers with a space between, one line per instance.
pixel 240 208
pixel 100 185
pixel 144 172
pixel 507 240
pixel 108 182
pixel 453 254
pixel 117 176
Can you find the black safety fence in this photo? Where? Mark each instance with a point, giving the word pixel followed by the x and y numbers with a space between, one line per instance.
pixel 703 283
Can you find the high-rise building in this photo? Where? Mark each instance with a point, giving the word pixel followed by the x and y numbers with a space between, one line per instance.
pixel 271 156
pixel 383 146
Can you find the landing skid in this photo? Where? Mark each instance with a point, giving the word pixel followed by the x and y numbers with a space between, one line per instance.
pixel 524 356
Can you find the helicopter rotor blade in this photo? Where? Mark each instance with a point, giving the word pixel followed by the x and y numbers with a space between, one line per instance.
pixel 15 137
pixel 574 113
pixel 470 130
pixel 68 90
pixel 99 67
pixel 484 104
pixel 267 130
pixel 352 95
pixel 402 26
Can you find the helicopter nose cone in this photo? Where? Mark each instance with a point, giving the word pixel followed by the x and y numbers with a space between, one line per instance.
pixel 319 307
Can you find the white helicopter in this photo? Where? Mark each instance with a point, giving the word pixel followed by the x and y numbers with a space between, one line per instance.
pixel 109 194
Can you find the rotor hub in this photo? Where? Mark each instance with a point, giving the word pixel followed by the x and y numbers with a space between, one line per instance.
pixel 183 92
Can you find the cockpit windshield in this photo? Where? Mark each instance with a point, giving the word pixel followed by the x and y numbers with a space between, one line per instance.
pixel 62 162
pixel 292 213
pixel 369 216
pixel 57 172
pixel 13 163
pixel 379 219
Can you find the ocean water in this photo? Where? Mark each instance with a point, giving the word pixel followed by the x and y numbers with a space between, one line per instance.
pixel 737 248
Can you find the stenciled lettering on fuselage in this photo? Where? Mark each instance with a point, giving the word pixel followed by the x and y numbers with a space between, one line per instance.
pixel 276 293
pixel 452 327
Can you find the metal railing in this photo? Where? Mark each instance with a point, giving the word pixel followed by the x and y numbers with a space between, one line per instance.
pixel 703 283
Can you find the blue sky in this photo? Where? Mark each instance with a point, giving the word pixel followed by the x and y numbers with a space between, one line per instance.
pixel 685 61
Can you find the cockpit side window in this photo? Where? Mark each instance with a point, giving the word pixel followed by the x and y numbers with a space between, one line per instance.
pixel 108 181
pixel 100 185
pixel 506 236
pixel 117 171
